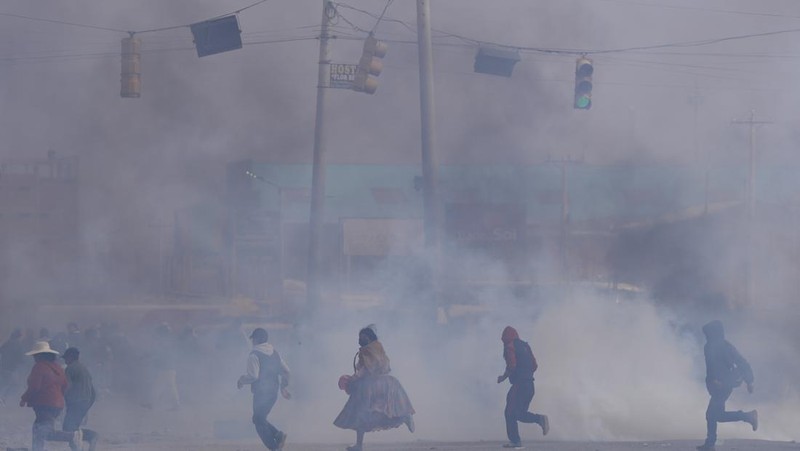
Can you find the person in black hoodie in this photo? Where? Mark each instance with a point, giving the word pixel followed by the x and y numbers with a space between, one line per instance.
pixel 520 366
pixel 725 370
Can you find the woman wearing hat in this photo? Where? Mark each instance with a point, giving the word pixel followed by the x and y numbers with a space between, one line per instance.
pixel 377 400
pixel 45 394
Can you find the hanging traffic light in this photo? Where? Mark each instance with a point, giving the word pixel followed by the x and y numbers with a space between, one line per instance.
pixel 130 79
pixel 583 83
pixel 370 64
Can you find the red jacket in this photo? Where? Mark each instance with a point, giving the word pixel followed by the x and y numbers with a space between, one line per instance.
pixel 46 386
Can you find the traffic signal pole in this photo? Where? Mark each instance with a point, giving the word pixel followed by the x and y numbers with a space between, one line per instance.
pixel 431 221
pixel 317 215
pixel 429 165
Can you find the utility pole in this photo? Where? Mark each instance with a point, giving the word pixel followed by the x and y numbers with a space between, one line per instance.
pixel 564 232
pixel 431 213
pixel 695 100
pixel 429 164
pixel 750 205
pixel 317 215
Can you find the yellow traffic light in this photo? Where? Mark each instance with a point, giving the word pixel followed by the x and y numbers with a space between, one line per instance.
pixel 131 85
pixel 370 65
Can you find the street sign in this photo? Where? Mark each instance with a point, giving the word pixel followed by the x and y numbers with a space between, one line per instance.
pixel 343 75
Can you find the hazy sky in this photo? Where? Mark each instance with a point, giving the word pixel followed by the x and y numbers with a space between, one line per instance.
pixel 141 159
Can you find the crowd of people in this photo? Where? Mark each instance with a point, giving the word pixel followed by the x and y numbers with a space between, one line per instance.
pixel 155 367
pixel 102 359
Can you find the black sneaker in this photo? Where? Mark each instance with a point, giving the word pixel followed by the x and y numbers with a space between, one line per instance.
pixel 705 447
pixel 92 442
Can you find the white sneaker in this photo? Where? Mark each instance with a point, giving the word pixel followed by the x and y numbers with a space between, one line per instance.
pixel 76 444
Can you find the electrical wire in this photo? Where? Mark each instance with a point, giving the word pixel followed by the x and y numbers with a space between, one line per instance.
pixel 383 13
pixel 691 8
pixel 154 30
pixel 684 44
pixel 61 22
pixel 374 16
pixel 118 30
pixel 352 25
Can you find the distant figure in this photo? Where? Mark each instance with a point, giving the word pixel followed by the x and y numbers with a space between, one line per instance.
pixel 59 342
pixel 45 394
pixel 725 370
pixel 12 357
pixel 230 347
pixel 377 400
pixel 98 357
pixel 79 397
pixel 266 374
pixel 74 336
pixel 520 366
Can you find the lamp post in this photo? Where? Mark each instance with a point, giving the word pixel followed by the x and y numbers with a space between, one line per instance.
pixel 279 190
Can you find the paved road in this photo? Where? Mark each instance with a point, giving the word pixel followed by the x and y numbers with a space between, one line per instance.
pixel 730 445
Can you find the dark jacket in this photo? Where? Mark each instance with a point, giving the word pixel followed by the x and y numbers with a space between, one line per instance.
pixel 520 362
pixel 725 367
pixel 80 389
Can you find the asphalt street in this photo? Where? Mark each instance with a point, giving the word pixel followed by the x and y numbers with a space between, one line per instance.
pixel 740 445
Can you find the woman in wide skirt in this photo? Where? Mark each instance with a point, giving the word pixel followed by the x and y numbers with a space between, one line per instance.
pixel 377 400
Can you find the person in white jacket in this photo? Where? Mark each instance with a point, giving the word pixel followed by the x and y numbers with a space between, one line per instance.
pixel 267 375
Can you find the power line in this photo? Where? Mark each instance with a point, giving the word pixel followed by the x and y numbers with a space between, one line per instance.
pixel 679 44
pixel 61 22
pixel 383 13
pixel 215 17
pixel 407 26
pixel 118 30
pixel 691 8
pixel 45 58
pixel 348 22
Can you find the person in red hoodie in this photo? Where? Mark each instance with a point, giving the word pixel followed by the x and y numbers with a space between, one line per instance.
pixel 520 366
pixel 45 394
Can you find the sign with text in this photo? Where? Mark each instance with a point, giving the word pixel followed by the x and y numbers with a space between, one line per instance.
pixel 498 229
pixel 343 75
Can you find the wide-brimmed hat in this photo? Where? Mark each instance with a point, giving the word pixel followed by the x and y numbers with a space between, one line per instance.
pixel 41 347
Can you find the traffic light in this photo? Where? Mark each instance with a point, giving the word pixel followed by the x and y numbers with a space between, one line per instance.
pixel 583 83
pixel 131 68
pixel 370 64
